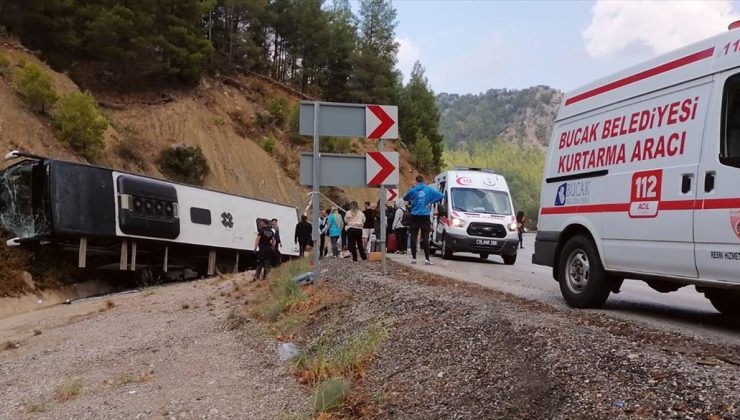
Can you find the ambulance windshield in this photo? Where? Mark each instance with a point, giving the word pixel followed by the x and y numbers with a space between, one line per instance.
pixel 471 200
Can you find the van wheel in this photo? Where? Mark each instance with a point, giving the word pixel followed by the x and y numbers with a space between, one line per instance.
pixel 725 301
pixel 484 255
pixel 446 251
pixel 583 281
pixel 509 259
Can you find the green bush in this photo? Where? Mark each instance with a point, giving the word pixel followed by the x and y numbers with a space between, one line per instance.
pixel 268 143
pixel 335 145
pixel 81 124
pixel 279 110
pixel 4 65
pixel 293 124
pixel 331 394
pixel 184 163
pixel 35 85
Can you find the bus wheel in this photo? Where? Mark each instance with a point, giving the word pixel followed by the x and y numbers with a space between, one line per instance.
pixel 583 281
pixel 725 301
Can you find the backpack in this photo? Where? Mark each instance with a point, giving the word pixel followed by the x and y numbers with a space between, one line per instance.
pixel 406 218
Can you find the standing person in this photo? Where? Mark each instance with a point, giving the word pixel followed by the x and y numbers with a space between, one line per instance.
pixel 520 221
pixel 345 209
pixel 355 220
pixel 334 227
pixel 303 231
pixel 421 198
pixel 278 243
pixel 367 227
pixel 323 231
pixel 400 229
pixel 264 244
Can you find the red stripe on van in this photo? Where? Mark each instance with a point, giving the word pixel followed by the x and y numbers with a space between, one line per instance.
pixel 671 65
pixel 709 204
pixel 588 208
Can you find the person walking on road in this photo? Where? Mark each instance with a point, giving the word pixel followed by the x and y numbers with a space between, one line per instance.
pixel 303 231
pixel 421 197
pixel 334 227
pixel 399 228
pixel 520 220
pixel 323 231
pixel 355 220
pixel 264 244
pixel 367 227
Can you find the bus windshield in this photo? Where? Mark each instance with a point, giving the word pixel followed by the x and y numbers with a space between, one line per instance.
pixel 472 200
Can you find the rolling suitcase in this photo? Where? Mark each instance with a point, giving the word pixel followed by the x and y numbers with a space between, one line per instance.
pixel 392 245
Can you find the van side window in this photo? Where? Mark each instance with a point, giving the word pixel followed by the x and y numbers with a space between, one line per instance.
pixel 729 153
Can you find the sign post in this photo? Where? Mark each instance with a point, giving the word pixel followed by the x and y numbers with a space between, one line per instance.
pixel 374 122
pixel 316 199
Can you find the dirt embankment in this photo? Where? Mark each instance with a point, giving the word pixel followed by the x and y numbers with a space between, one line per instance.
pixel 452 351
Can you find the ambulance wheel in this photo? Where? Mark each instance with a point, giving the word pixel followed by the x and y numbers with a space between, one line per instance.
pixel 726 302
pixel 583 281
pixel 446 251
pixel 509 259
pixel 484 255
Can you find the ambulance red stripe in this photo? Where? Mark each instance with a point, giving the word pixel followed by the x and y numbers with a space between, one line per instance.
pixel 671 65
pixel 710 204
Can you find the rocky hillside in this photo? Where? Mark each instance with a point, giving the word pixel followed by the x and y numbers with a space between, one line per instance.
pixel 519 116
pixel 249 151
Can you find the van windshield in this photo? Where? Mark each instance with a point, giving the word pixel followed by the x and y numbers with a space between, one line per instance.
pixel 472 200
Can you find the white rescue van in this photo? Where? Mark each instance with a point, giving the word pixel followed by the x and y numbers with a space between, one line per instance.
pixel 642 179
pixel 476 215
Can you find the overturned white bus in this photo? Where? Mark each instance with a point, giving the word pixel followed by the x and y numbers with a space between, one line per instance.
pixel 130 222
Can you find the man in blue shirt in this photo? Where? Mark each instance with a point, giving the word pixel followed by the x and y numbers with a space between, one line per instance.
pixel 421 197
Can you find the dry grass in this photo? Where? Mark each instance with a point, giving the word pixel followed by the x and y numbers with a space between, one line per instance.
pixel 349 359
pixel 10 345
pixel 331 394
pixel 128 378
pixel 185 306
pixel 36 331
pixel 37 408
pixel 110 304
pixel 69 390
pixel 283 291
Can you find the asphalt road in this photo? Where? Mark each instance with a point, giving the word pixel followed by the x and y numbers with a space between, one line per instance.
pixel 685 311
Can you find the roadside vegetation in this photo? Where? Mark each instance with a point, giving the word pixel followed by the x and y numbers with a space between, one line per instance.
pixel 333 361
pixel 522 167
pixel 184 163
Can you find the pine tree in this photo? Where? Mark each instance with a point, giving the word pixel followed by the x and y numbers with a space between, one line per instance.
pixel 418 113
pixel 341 51
pixel 422 153
pixel 375 79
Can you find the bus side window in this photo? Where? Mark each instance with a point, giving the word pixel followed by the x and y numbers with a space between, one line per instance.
pixel 730 141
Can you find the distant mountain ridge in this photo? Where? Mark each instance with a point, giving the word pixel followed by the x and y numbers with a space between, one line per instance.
pixel 522 116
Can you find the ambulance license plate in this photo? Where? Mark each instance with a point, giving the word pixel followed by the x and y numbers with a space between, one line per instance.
pixel 486 242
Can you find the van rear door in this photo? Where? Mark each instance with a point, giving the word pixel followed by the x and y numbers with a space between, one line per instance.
pixel 717 209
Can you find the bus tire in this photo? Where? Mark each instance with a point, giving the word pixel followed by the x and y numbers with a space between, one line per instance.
pixel 583 281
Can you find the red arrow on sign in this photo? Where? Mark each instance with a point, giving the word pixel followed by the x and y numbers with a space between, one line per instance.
pixel 386 168
pixel 391 194
pixel 386 122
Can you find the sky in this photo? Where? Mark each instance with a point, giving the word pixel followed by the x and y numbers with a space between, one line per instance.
pixel 470 46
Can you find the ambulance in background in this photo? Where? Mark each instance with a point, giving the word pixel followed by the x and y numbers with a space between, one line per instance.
pixel 476 215
pixel 642 179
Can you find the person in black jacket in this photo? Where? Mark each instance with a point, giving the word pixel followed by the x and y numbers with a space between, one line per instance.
pixel 303 232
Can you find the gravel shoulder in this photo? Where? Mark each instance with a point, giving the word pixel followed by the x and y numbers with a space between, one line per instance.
pixel 165 352
pixel 454 350
pixel 462 351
